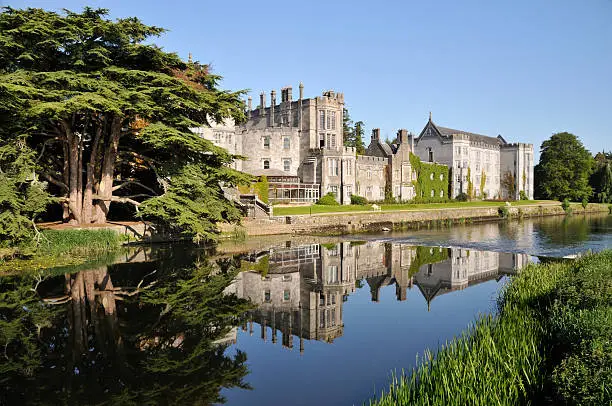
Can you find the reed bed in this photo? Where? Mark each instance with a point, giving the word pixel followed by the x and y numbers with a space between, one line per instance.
pixel 549 344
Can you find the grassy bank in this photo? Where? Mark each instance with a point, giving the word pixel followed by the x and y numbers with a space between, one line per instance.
pixel 549 344
pixel 57 248
pixel 317 209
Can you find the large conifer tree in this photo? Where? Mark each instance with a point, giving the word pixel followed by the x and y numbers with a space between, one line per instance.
pixel 109 117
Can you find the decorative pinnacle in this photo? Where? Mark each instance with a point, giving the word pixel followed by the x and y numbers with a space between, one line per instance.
pixel 190 58
pixel 430 116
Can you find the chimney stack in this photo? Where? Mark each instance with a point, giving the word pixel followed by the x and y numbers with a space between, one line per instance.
pixel 262 103
pixel 249 106
pixel 402 136
pixel 272 104
pixel 376 134
pixel 301 90
pixel 289 94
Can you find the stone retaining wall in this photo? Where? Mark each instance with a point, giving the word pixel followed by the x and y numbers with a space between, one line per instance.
pixel 345 223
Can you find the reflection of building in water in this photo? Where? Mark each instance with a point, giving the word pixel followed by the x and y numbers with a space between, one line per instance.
pixel 300 290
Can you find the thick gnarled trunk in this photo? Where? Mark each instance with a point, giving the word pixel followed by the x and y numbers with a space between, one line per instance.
pixel 90 184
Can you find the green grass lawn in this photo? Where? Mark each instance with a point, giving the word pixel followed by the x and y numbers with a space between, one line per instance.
pixel 316 209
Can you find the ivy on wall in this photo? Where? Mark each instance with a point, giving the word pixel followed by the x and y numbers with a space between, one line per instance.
pixel 470 185
pixel 430 176
pixel 427 255
pixel 261 188
pixel 483 182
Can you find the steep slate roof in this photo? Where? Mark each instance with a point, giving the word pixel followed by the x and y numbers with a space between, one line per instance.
pixel 385 147
pixel 449 132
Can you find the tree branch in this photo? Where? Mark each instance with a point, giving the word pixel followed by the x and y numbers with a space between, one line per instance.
pixel 56 182
pixel 133 182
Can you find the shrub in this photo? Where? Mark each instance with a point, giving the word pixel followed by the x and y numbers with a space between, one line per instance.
pixel 610 209
pixel 585 203
pixel 503 212
pixel 523 195
pixel 359 200
pixel 328 200
pixel 462 197
pixel 565 205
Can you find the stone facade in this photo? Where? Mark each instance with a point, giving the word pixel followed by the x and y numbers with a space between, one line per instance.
pixel 485 159
pixel 305 286
pixel 302 140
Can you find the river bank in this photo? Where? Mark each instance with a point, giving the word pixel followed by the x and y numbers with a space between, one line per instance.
pixel 549 344
pixel 369 221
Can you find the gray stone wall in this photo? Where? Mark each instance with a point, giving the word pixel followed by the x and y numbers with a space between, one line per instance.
pixel 370 177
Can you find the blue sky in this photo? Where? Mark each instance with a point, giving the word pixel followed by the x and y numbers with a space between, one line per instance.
pixel 523 69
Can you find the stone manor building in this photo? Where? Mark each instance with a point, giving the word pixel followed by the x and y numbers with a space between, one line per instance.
pixel 298 145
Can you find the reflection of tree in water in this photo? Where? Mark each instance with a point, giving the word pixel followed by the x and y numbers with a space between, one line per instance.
pixel 572 229
pixel 146 336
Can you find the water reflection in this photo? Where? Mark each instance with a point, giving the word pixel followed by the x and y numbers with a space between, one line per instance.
pixel 300 290
pixel 163 326
pixel 135 332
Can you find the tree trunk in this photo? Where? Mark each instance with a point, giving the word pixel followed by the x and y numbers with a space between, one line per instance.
pixel 73 161
pixel 91 173
pixel 105 188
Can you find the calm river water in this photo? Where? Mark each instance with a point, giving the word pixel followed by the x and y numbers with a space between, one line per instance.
pixel 292 324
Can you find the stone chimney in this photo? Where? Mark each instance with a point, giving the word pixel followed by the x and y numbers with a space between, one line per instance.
pixel 262 103
pixel 375 134
pixel 402 136
pixel 249 106
pixel 301 90
pixel 289 94
pixel 272 104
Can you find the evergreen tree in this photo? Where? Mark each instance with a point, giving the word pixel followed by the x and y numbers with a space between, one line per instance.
pixel 564 168
pixel 109 118
pixel 359 145
pixel 353 133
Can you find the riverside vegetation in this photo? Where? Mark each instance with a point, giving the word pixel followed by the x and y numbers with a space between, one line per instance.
pixel 548 344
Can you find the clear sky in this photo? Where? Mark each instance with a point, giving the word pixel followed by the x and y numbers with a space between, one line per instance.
pixel 523 68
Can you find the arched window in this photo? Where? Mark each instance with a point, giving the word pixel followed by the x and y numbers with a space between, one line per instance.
pixel 266 164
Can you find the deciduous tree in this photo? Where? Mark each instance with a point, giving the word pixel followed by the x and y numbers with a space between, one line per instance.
pixel 564 168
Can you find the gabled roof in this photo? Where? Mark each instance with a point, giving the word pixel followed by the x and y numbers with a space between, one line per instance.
pixel 447 133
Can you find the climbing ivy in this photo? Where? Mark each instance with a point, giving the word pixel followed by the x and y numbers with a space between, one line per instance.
pixel 427 255
pixel 483 181
pixel 260 188
pixel 429 176
pixel 470 185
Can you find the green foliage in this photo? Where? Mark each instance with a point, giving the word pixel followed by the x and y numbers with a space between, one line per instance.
pixel 352 134
pixel 565 205
pixel 584 203
pixel 328 200
pixel 601 179
pixel 483 182
pixel 523 195
pixel 428 255
pixel 503 212
pixel 22 197
pixel 262 189
pixel 470 184
pixel 549 344
pixel 430 177
pixel 94 94
pixel 78 242
pixel 262 265
pixel 359 200
pixel 193 203
pixel 564 168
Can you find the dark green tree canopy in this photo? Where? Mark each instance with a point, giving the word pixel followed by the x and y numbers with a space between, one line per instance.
pixel 109 118
pixel 352 133
pixel 601 179
pixel 564 168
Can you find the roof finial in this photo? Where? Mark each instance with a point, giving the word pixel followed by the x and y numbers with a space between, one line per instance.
pixel 430 116
pixel 190 59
